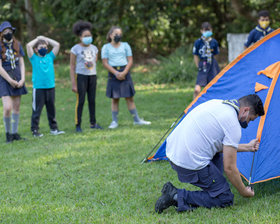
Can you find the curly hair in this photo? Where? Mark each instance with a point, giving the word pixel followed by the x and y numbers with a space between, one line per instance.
pixel 15 47
pixel 80 26
pixel 108 38
pixel 254 102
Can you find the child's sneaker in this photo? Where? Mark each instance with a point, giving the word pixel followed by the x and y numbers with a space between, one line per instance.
pixel 79 129
pixel 17 137
pixel 37 134
pixel 113 125
pixel 9 138
pixel 95 126
pixel 142 122
pixel 56 132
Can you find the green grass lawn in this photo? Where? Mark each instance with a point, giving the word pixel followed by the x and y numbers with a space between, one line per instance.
pixel 96 176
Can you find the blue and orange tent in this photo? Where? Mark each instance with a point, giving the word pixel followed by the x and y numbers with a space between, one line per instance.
pixel 256 70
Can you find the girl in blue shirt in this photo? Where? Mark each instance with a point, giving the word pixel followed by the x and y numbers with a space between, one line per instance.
pixel 117 59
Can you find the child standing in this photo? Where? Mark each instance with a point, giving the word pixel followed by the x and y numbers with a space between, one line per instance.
pixel 43 79
pixel 12 78
pixel 261 30
pixel 204 50
pixel 83 59
pixel 117 59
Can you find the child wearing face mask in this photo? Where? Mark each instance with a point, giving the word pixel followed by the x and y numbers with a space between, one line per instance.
pixel 12 78
pixel 83 60
pixel 204 50
pixel 43 78
pixel 261 30
pixel 117 59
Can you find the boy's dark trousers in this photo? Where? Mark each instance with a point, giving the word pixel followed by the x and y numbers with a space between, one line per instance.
pixel 85 84
pixel 43 97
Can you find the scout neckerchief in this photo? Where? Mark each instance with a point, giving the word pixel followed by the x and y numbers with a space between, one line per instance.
pixel 234 103
pixel 208 49
pixel 264 31
pixel 10 53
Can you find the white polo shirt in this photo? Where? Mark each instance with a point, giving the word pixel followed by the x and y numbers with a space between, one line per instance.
pixel 202 133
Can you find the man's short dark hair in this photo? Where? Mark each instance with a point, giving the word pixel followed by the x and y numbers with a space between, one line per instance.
pixel 263 13
pixel 206 26
pixel 254 102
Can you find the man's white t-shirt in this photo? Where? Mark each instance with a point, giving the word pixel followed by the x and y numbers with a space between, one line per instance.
pixel 202 133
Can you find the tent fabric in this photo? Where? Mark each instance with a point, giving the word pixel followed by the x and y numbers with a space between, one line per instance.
pixel 258 65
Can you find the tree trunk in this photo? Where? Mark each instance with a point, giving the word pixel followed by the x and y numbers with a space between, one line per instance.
pixel 29 16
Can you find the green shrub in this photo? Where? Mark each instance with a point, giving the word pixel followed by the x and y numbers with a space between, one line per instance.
pixel 178 67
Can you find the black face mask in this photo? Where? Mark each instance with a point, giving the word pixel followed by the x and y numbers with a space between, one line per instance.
pixel 117 38
pixel 8 36
pixel 243 124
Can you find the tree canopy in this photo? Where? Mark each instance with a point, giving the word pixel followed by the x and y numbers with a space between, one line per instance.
pixel 151 27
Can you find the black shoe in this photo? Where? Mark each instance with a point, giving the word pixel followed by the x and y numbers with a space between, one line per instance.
pixel 9 138
pixel 95 126
pixel 166 199
pixel 78 129
pixel 37 134
pixel 17 137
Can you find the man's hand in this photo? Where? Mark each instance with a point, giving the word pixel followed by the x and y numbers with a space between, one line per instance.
pixel 74 88
pixel 248 192
pixel 253 145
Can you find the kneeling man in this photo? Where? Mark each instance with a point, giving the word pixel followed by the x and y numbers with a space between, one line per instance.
pixel 202 145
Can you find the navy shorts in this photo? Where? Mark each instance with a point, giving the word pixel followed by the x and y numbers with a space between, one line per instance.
pixel 206 72
pixel 119 88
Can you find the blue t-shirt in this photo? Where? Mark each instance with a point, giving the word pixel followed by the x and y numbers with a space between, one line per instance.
pixel 43 71
pixel 6 64
pixel 116 56
pixel 199 48
pixel 256 34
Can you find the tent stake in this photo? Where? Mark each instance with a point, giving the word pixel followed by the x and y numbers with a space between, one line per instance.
pixel 147 156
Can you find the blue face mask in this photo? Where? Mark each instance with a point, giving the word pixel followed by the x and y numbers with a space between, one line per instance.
pixel 87 40
pixel 207 33
pixel 43 51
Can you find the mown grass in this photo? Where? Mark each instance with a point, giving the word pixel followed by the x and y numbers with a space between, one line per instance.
pixel 96 176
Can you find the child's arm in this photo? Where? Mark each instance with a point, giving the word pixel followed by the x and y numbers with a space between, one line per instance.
pixel 22 71
pixel 196 60
pixel 52 42
pixel 72 72
pixel 6 76
pixel 29 47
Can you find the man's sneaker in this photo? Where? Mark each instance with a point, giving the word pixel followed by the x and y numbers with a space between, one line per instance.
pixel 16 137
pixel 113 125
pixel 56 132
pixel 95 126
pixel 37 134
pixel 142 122
pixel 78 129
pixel 167 198
pixel 8 138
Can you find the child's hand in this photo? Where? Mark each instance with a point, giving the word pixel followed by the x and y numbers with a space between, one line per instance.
pixel 20 83
pixel 13 83
pixel 74 88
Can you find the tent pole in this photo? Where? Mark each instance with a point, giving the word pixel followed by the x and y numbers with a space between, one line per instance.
pixel 147 156
pixel 251 170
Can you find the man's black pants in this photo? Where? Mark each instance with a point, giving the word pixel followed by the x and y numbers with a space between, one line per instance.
pixel 85 84
pixel 43 97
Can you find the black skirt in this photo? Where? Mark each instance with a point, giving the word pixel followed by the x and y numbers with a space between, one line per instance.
pixel 6 89
pixel 119 88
